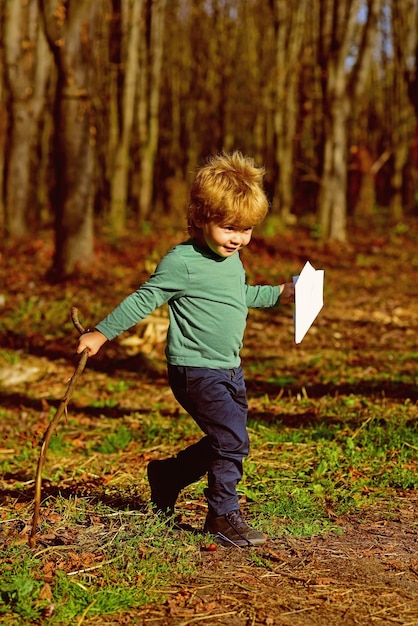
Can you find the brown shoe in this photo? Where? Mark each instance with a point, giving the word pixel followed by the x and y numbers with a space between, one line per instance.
pixel 231 530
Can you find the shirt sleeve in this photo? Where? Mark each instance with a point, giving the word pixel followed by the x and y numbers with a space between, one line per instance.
pixel 262 296
pixel 168 281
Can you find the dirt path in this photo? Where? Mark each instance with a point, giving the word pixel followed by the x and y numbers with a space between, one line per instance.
pixel 366 575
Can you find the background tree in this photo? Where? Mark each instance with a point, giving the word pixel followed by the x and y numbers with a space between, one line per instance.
pixel 124 44
pixel 289 30
pixel 27 71
pixel 142 91
pixel 3 125
pixel 346 40
pixel 404 24
pixel 71 30
pixel 148 94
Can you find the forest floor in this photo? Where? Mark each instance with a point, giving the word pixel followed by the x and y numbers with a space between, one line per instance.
pixel 333 424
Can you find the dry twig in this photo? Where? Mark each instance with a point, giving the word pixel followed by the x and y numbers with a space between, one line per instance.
pixel 48 433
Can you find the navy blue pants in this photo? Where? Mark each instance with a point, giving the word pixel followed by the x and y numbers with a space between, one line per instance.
pixel 217 401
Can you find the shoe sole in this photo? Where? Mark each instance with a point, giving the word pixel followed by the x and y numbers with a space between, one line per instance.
pixel 223 540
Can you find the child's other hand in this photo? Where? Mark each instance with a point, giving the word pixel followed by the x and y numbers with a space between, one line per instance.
pixel 93 341
pixel 287 292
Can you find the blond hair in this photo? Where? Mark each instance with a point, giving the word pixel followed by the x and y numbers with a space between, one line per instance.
pixel 228 189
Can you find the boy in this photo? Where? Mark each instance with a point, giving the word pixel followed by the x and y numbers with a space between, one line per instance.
pixel 203 281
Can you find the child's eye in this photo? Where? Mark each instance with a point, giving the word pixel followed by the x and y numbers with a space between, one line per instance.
pixel 236 228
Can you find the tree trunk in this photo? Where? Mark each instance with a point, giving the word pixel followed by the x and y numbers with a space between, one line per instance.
pixel 340 29
pixel 71 31
pixel 403 126
pixel 3 130
pixel 289 18
pixel 124 117
pixel 332 196
pixel 28 66
pixel 149 100
pixel 363 167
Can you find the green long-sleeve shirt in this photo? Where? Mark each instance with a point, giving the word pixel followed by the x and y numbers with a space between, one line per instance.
pixel 208 301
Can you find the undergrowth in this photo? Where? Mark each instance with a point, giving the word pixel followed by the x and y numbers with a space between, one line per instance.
pixel 106 552
pixel 332 425
pixel 101 561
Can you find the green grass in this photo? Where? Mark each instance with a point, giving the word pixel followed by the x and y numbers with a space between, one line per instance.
pixel 354 452
pixel 9 357
pixel 117 441
pixel 328 440
pixel 117 561
pixel 311 462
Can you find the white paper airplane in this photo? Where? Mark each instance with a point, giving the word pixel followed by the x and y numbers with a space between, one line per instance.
pixel 309 299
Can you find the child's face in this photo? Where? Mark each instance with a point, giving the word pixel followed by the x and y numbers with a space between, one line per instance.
pixel 225 239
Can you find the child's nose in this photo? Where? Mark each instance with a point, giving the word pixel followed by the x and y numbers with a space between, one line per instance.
pixel 237 238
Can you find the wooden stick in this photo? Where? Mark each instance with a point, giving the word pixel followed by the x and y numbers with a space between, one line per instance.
pixel 48 433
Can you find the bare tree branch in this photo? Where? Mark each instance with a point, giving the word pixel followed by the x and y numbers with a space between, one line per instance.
pixel 48 433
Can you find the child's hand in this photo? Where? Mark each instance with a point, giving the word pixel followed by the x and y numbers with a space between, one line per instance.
pixel 287 292
pixel 93 341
